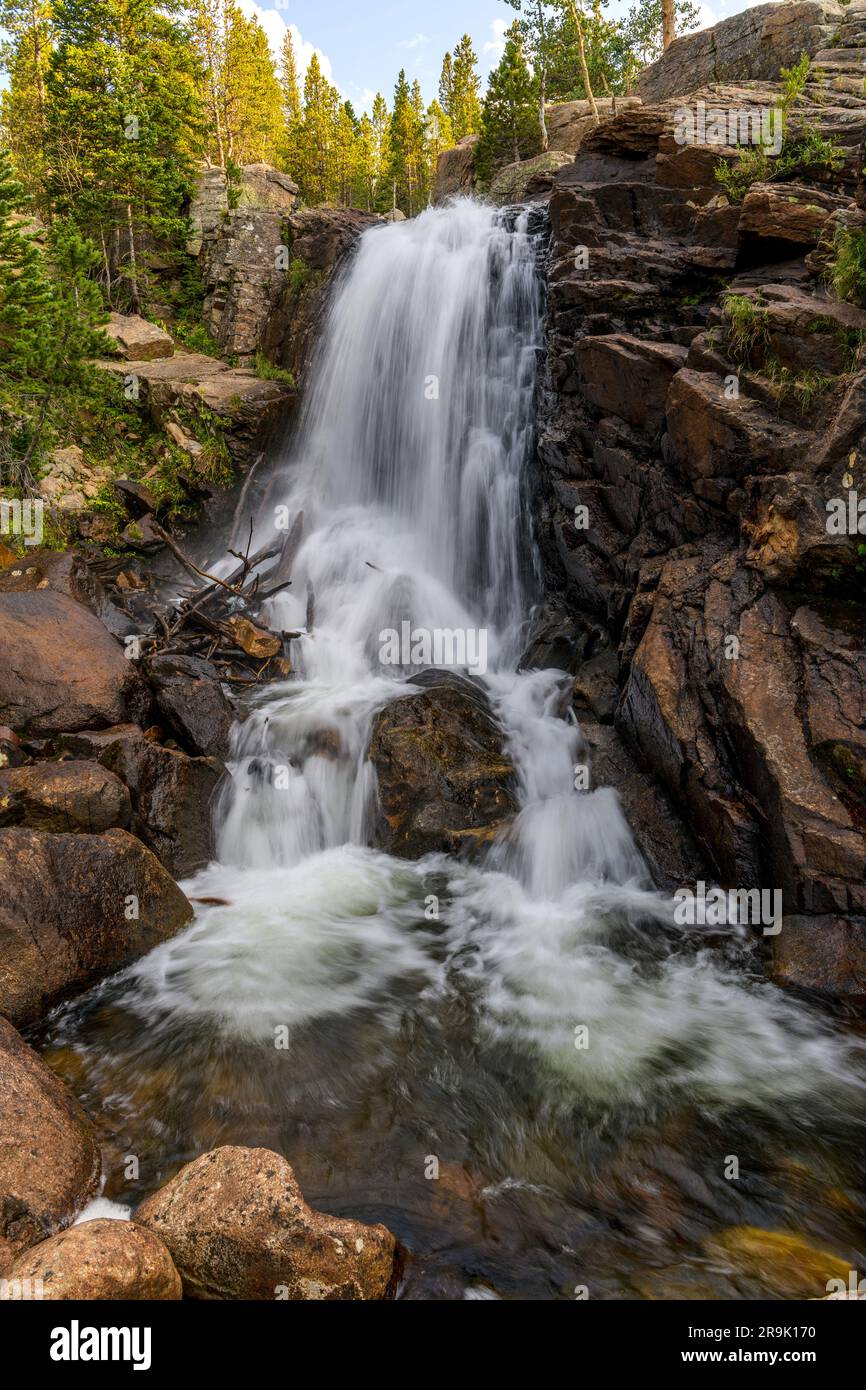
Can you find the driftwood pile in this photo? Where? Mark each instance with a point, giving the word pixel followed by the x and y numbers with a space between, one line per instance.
pixel 219 619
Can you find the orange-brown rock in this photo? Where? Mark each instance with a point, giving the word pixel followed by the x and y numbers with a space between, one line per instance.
pixel 100 1259
pixel 74 908
pixel 60 668
pixel 49 1153
pixel 68 797
pixel 237 1226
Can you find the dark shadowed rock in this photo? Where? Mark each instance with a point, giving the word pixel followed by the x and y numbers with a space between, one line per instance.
pixel 68 906
pixel 171 793
pixel 824 954
pixel 69 797
pixel 445 780
pixel 191 700
pixel 49 1154
pixel 101 1259
pixel 237 1226
pixel 59 666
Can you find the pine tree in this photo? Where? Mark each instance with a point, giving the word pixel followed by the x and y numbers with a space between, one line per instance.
pixel 509 129
pixel 446 87
pixel 23 287
pixel 381 123
pixel 289 80
pixel 465 109
pixel 123 126
pixel 25 55
pixel 253 102
pixel 315 171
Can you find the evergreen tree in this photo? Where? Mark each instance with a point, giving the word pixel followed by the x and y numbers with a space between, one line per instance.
pixel 381 126
pixel 465 109
pixel 509 129
pixel 254 118
pixel 122 136
pixel 408 168
pixel 446 86
pixel 23 287
pixel 289 80
pixel 538 28
pixel 316 151
pixel 25 55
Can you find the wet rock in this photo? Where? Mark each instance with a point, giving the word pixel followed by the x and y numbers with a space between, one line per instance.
pixel 237 1226
pixel 68 798
pixel 662 836
pixel 780 1264
pixel 49 1153
pixel 317 242
pixel 596 686
pixel 190 699
pixel 824 954
pixel 60 669
pixel 627 377
pixel 138 340
pixel 73 909
pixel 171 793
pixel 445 781
pixel 101 1259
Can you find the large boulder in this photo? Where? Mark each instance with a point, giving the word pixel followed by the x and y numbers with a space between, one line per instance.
pixel 138 340
pixel 190 698
pixel 65 572
pixel 70 797
pixel 73 909
pixel 237 1226
pixel 445 780
pixel 455 171
pixel 172 794
pixel 826 955
pixel 59 666
pixel 569 121
pixel 100 1259
pixel 756 44
pixel 49 1153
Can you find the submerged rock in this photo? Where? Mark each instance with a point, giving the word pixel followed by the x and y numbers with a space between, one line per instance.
pixel 49 1153
pixel 101 1259
pixel 445 780
pixel 73 909
pixel 237 1226
pixel 780 1263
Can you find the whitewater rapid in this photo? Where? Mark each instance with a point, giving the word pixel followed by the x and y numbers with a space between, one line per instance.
pixel 412 471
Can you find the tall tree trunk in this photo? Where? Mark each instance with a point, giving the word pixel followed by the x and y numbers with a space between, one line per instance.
pixel 542 122
pixel 669 23
pixel 581 49
pixel 133 263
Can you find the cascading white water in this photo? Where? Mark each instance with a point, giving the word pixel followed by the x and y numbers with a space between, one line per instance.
pixel 411 469
pixel 457 1035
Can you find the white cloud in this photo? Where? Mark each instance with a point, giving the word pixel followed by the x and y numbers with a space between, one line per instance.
pixel 418 41
pixel 495 47
pixel 275 27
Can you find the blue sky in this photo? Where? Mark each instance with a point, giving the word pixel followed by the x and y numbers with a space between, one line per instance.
pixel 364 43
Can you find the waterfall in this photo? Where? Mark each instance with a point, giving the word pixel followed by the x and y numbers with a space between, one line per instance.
pixel 545 1010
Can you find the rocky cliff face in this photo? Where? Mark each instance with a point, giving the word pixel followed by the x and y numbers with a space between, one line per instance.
pixel 706 401
pixel 751 45
pixel 266 264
